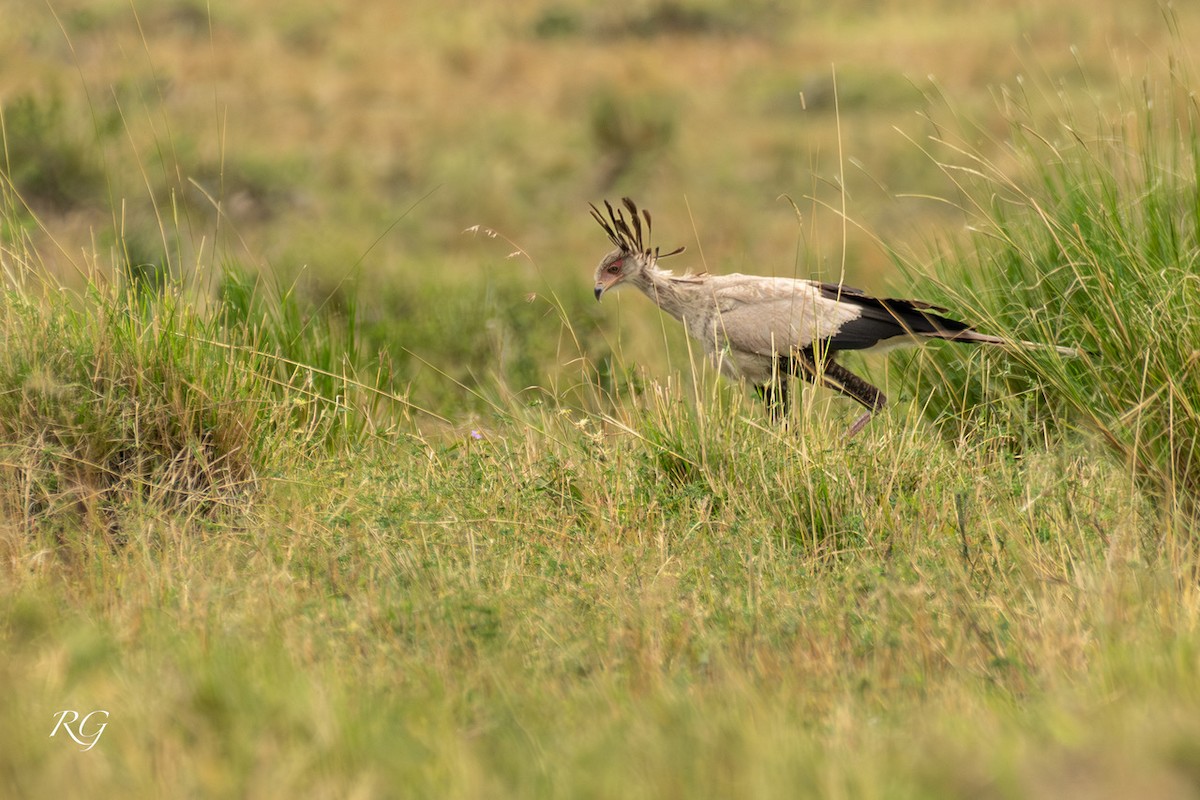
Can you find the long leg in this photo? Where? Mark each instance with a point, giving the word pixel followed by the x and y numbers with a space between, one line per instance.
pixel 838 377
pixel 834 376
pixel 775 393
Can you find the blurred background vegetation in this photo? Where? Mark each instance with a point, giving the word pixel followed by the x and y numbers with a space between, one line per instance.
pixel 342 151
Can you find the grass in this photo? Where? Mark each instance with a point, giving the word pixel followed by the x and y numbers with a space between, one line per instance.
pixel 1095 246
pixel 463 532
pixel 507 616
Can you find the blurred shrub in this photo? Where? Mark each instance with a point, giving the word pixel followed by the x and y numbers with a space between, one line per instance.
pixel 629 130
pixel 662 18
pixel 46 160
pixel 556 21
pixel 250 188
pixel 855 88
pixel 672 17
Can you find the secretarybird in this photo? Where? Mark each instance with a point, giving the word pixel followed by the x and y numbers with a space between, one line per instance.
pixel 767 330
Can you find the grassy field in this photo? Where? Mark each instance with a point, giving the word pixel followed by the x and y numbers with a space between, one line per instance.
pixel 322 473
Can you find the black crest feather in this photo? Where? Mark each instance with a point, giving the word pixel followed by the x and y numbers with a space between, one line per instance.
pixel 628 235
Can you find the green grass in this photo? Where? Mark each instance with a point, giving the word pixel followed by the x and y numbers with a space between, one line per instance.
pixel 463 532
pixel 694 605
pixel 1092 243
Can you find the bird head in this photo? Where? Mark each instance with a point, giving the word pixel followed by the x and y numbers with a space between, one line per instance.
pixel 617 267
pixel 633 256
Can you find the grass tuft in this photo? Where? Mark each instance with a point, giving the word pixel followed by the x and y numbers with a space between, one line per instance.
pixel 102 412
pixel 1095 244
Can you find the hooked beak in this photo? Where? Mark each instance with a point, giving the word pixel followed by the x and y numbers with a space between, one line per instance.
pixel 604 284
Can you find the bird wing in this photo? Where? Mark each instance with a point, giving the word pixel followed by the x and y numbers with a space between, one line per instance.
pixel 884 318
pixel 766 316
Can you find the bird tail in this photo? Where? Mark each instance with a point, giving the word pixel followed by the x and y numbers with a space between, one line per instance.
pixel 975 337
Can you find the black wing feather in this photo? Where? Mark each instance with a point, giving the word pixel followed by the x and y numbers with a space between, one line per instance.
pixel 884 318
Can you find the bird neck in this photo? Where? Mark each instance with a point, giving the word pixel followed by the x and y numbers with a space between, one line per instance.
pixel 666 293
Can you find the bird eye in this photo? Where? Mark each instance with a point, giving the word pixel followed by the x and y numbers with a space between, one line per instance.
pixel 614 267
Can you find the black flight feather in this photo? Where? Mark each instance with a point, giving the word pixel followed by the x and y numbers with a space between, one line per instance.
pixel 887 318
